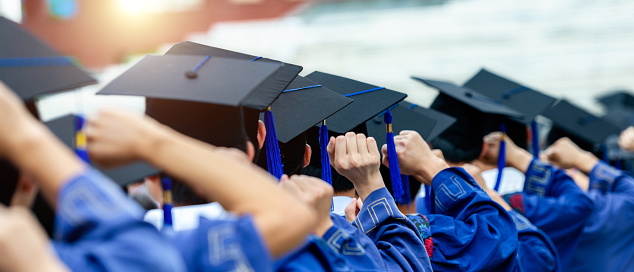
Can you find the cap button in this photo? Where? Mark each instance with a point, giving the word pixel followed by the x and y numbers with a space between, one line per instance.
pixel 191 74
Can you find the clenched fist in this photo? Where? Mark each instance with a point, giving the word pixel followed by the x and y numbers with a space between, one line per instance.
pixel 566 154
pixel 315 193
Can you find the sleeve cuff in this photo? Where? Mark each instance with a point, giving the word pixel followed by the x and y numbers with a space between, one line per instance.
pixel 449 186
pixel 88 199
pixel 377 207
pixel 603 176
pixel 340 241
pixel 538 178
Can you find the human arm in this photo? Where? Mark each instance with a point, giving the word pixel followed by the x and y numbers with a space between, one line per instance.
pixel 117 136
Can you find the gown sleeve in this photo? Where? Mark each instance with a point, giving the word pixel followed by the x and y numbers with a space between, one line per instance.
pixel 535 250
pixel 395 236
pixel 557 206
pixel 470 231
pixel 98 228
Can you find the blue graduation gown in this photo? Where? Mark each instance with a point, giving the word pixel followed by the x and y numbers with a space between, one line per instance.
pixel 98 228
pixel 222 245
pixel 607 242
pixel 471 232
pixel 535 251
pixel 396 237
pixel 557 206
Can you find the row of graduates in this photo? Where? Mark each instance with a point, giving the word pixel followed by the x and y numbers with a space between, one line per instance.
pixel 207 102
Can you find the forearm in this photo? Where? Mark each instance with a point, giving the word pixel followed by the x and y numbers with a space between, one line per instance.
pixel 239 187
pixel 40 154
pixel 520 161
pixel 585 162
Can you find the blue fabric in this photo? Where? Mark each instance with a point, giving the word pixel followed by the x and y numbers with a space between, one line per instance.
pixel 223 245
pixel 396 237
pixel 356 247
pixel 557 206
pixel 471 232
pixel 535 251
pixel 607 243
pixel 98 228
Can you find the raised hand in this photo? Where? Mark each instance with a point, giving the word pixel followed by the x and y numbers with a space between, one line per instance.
pixel 626 139
pixel 566 154
pixel 515 156
pixel 314 193
pixel 357 158
pixel 117 137
pixel 415 158
pixel 353 209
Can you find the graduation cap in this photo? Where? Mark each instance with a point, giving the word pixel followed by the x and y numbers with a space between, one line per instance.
pixel 620 116
pixel 369 100
pixel 619 98
pixel 277 82
pixel 301 106
pixel 66 129
pixel 32 68
pixel 476 116
pixel 583 128
pixel 188 92
pixel 525 100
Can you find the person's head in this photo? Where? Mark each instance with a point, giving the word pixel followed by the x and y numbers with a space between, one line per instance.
pixel 295 155
pixel 224 126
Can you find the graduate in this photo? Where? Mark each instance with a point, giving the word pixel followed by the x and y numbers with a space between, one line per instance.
pixel 369 100
pixel 358 244
pixel 550 199
pixel 470 231
pixel 96 227
pixel 606 242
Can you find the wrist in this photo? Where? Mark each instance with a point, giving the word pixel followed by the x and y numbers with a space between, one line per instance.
pixel 323 226
pixel 585 162
pixel 373 183
pixel 520 160
pixel 428 173
pixel 24 138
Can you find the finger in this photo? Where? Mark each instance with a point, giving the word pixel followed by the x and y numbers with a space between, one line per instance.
pixel 340 148
pixel 351 143
pixel 384 158
pixel 372 147
pixel 284 178
pixel 362 145
pixel 331 147
pixel 350 210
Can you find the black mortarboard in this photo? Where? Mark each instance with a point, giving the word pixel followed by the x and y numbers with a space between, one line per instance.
pixel 304 104
pixel 301 106
pixel 516 96
pixel 620 116
pixel 31 68
pixel 404 118
pixel 65 129
pixel 620 98
pixel 569 119
pixel 476 116
pixel 220 81
pixel 269 89
pixel 368 100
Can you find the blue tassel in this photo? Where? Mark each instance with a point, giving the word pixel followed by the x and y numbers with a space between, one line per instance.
pixel 80 146
pixel 326 173
pixel 501 159
pixel 428 198
pixel 407 196
pixel 395 171
pixel 535 139
pixel 274 160
pixel 166 183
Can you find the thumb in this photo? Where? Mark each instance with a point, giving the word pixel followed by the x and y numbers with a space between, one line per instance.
pixel 351 210
pixel 384 158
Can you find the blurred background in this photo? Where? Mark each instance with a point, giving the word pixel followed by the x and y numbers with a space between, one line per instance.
pixel 577 49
